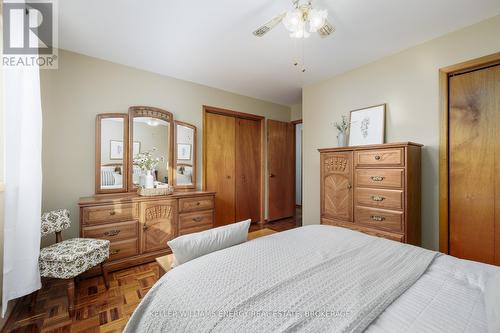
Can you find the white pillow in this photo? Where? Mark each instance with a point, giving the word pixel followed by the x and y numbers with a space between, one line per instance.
pixel 492 302
pixel 118 178
pixel 189 247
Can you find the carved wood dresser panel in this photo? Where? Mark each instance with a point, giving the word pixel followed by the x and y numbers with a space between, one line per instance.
pixel 373 189
pixel 140 227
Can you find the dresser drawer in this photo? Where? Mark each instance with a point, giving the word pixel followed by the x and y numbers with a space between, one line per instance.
pixel 386 235
pixel 369 231
pixel 112 231
pixel 378 218
pixel 380 157
pixel 109 213
pixel 196 219
pixel 194 204
pixel 390 199
pixel 123 249
pixel 392 178
pixel 195 229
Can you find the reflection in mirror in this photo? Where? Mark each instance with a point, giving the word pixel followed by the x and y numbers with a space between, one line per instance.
pixel 112 147
pixel 151 142
pixel 185 154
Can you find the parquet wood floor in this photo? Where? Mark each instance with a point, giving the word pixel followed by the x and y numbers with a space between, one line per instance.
pixel 97 310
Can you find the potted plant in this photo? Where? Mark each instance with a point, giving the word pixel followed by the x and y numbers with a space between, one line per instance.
pixel 342 128
pixel 148 164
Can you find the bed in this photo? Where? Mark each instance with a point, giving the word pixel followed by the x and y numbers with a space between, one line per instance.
pixel 316 279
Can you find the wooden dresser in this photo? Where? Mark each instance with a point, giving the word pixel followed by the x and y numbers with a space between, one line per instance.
pixel 374 189
pixel 139 227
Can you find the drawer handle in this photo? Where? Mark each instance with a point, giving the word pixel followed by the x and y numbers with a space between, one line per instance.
pixel 198 203
pixel 377 157
pixel 112 212
pixel 377 178
pixel 377 198
pixel 349 186
pixel 197 219
pixel 377 218
pixel 114 252
pixel 112 232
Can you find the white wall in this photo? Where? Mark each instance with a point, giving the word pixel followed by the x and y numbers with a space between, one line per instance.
pixel 298 164
pixel 83 87
pixel 408 83
pixel 296 112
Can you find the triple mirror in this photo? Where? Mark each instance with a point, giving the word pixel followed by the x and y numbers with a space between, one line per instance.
pixel 142 149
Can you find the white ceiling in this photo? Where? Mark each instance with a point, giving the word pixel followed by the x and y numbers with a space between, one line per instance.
pixel 211 42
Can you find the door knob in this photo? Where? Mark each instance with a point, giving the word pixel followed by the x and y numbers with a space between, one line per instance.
pixel 272 175
pixel 349 186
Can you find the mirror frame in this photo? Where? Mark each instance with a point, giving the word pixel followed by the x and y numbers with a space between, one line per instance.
pixel 148 111
pixel 174 183
pixel 125 171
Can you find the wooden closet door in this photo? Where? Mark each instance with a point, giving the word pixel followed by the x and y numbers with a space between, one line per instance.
pixel 220 165
pixel 473 120
pixel 497 164
pixel 248 170
pixel 336 186
pixel 280 165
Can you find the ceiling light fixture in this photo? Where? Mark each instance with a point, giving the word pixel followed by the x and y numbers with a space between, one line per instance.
pixel 300 22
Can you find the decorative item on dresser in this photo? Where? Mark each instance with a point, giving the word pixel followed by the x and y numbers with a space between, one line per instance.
pixel 139 227
pixel 374 189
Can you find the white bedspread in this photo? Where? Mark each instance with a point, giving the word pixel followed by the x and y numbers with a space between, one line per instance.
pixel 311 279
pixel 447 298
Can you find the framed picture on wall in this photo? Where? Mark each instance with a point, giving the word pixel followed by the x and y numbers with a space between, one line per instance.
pixel 367 126
pixel 137 148
pixel 184 151
pixel 116 149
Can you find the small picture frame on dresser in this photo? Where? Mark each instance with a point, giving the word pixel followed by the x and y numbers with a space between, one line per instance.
pixel 367 126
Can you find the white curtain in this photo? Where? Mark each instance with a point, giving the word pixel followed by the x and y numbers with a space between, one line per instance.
pixel 23 182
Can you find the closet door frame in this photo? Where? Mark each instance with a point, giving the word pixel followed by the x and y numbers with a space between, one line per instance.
pixel 444 161
pixel 230 113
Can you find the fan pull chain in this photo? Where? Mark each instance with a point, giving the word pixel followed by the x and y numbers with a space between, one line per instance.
pixel 303 70
pixel 299 51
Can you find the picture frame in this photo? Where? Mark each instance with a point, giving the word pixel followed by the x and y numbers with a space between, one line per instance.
pixel 184 151
pixel 367 125
pixel 137 148
pixel 116 149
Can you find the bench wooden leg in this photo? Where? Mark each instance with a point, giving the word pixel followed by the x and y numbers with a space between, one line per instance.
pixel 71 297
pixel 104 272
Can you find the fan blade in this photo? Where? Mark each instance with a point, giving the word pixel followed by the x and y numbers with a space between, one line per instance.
pixel 326 30
pixel 269 25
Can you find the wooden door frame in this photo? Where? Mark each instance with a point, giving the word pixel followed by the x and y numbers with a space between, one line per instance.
pixel 444 204
pixel 230 113
pixel 295 123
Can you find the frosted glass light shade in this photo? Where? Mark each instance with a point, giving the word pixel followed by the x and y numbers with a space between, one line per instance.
pixel 293 20
pixel 317 19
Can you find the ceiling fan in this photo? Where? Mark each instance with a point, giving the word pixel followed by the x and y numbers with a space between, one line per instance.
pixel 300 21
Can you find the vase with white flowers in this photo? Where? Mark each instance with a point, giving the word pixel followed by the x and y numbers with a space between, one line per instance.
pixel 342 128
pixel 148 163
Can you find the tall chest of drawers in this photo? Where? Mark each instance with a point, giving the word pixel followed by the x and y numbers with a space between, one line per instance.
pixel 373 189
pixel 139 227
